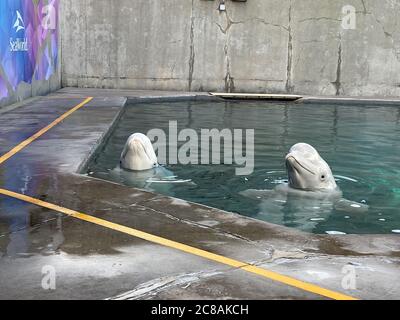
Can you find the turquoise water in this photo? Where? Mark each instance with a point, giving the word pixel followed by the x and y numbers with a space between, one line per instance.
pixel 360 143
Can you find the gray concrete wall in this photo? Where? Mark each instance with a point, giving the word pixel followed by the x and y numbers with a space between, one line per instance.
pixel 296 46
pixel 36 88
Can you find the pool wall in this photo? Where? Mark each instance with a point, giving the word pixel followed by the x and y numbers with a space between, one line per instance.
pixel 307 47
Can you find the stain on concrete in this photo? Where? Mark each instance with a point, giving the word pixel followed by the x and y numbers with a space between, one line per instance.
pixel 337 83
pixel 192 52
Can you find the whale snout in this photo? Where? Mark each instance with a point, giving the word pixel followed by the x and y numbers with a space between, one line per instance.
pixel 293 164
pixel 290 159
pixel 290 162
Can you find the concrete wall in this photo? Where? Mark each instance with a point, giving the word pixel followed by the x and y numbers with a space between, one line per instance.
pixel 296 46
pixel 36 88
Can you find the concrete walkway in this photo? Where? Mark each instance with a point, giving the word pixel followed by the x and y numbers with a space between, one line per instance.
pixel 96 262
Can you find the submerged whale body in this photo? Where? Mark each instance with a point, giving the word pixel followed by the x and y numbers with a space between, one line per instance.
pixel 311 190
pixel 151 179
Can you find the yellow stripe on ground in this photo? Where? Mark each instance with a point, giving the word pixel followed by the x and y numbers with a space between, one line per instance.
pixel 28 141
pixel 185 248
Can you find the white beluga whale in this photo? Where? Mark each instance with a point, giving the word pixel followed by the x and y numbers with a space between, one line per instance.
pixel 138 153
pixel 139 166
pixel 307 171
pixel 309 195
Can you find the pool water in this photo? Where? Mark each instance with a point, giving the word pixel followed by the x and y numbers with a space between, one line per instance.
pixel 360 143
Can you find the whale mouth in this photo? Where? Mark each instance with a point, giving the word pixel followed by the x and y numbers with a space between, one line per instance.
pixel 292 163
pixel 141 149
pixel 146 152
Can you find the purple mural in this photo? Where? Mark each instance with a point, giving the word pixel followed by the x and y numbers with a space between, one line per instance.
pixel 28 42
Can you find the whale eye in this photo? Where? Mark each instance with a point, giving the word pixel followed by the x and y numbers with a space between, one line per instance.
pixel 323 177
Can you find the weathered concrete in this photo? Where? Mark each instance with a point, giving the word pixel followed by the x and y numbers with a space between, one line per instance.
pixel 25 91
pixel 92 262
pixel 273 46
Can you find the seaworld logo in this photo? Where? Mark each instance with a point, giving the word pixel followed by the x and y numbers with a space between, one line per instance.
pixel 19 23
pixel 19 44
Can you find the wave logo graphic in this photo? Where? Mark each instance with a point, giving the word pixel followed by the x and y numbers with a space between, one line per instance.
pixel 19 23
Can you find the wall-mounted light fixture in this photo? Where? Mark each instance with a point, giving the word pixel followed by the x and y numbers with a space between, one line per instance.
pixel 221 6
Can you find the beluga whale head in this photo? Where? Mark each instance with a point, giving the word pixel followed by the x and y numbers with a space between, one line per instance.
pixel 138 153
pixel 307 170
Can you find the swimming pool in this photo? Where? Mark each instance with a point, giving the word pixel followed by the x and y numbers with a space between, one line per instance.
pixel 360 143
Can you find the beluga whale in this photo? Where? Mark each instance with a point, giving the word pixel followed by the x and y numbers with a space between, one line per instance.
pixel 139 167
pixel 308 172
pixel 138 153
pixel 310 192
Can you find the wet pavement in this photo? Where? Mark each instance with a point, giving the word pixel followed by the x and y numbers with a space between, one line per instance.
pixel 93 262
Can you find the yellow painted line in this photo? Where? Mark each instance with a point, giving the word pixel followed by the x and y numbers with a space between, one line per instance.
pixel 28 141
pixel 185 248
